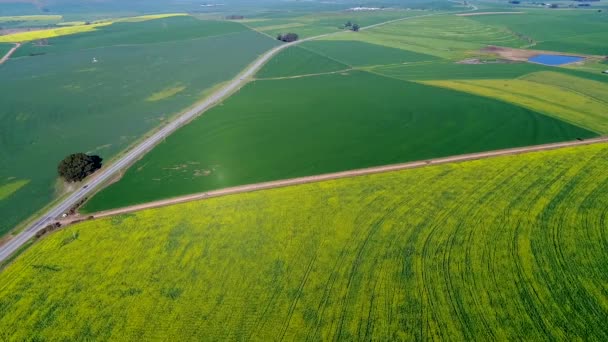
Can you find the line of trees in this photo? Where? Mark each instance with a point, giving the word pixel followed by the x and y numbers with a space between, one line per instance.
pixel 352 26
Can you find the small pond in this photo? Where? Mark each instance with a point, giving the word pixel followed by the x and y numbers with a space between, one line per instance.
pixel 554 60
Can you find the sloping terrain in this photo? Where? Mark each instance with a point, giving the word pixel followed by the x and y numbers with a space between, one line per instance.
pixel 492 249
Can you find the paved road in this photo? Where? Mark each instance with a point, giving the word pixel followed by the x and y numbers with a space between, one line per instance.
pixel 343 174
pixel 9 53
pixel 131 156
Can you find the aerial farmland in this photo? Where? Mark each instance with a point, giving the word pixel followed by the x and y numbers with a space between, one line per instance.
pixel 411 170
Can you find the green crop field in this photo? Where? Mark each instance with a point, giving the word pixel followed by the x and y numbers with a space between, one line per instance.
pixel 498 249
pixel 445 36
pixel 564 103
pixel 310 25
pixel 57 100
pixel 303 126
pixel 4 48
pixel 449 70
pixel 356 53
pixel 296 60
pixel 329 56
pixel 567 30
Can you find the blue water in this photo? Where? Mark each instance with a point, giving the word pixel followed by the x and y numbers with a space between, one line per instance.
pixel 554 60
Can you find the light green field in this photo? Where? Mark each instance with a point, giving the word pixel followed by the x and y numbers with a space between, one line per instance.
pixel 594 89
pixel 56 100
pixel 310 25
pixel 576 31
pixel 495 249
pixel 564 103
pixel 10 188
pixel 445 36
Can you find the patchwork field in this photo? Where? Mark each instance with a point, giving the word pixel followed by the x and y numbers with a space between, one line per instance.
pixel 329 56
pixel 567 30
pixel 99 92
pixel 296 60
pixel 310 25
pixel 492 249
pixel 304 126
pixel 444 36
pixel 564 97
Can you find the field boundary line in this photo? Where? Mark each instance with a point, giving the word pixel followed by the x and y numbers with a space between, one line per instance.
pixel 339 175
pixel 304 75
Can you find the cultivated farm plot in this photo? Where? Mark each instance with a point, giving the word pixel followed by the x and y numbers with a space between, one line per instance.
pixel 310 25
pixel 493 249
pixel 317 57
pixel 297 60
pixel 444 36
pixel 565 103
pixel 99 92
pixel 279 129
pixel 567 31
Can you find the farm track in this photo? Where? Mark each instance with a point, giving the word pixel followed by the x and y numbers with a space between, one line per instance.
pixel 108 173
pixel 10 53
pixel 343 174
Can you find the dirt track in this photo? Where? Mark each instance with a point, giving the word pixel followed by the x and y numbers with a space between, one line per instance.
pixel 337 175
pixel 10 53
pixel 486 13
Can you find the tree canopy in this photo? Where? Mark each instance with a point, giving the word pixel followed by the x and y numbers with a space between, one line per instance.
pixel 78 166
pixel 288 37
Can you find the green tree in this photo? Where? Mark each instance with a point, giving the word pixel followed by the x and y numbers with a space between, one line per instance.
pixel 356 27
pixel 78 166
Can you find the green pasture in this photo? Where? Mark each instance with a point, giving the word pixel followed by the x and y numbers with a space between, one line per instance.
pixel 314 24
pixel 575 31
pixel 313 125
pixel 355 53
pixel 61 101
pixel 502 249
pixel 445 36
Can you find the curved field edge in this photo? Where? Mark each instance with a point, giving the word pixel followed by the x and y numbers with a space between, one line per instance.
pixel 282 129
pixel 563 102
pixel 490 249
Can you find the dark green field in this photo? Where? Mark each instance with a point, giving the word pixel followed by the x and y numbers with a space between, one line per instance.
pixel 299 61
pixel 297 127
pixel 356 53
pixel 4 48
pixel 62 102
